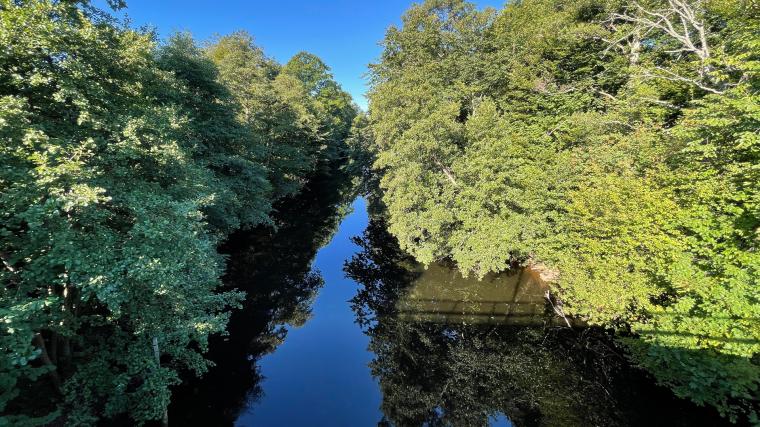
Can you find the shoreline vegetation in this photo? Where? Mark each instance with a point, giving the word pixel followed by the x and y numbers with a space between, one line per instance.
pixel 126 162
pixel 614 143
pixel 612 147
pixel 449 350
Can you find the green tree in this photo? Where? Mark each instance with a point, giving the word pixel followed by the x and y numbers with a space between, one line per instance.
pixel 97 195
pixel 332 106
pixel 215 137
pixel 616 151
pixel 122 166
pixel 274 112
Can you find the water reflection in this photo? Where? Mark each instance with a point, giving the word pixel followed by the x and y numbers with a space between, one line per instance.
pixel 441 294
pixel 446 350
pixel 452 351
pixel 274 268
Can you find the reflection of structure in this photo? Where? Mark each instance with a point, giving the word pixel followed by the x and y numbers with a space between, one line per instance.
pixel 441 295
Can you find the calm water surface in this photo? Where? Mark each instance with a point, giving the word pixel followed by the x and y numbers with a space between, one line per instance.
pixel 341 328
pixel 319 375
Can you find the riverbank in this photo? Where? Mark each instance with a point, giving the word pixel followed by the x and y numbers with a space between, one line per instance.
pixel 301 352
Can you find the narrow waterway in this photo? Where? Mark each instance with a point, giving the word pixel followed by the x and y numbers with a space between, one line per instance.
pixel 341 328
pixel 319 375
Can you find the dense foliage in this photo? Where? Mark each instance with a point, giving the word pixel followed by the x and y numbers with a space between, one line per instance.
pixel 614 144
pixel 123 163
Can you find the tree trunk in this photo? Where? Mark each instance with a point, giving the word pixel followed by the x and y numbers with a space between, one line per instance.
pixel 635 46
pixel 54 347
pixel 70 307
pixel 45 359
pixel 446 171
pixel 66 349
pixel 157 355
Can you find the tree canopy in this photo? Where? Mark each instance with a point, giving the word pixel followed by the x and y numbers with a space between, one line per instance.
pixel 124 162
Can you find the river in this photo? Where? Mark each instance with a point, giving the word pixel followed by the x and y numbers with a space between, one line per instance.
pixel 341 328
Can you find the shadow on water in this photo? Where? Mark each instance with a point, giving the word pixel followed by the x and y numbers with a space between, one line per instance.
pixel 273 267
pixel 451 351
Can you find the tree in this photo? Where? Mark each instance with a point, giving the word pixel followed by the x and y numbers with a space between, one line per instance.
pixel 333 107
pixel 123 165
pixel 611 144
pixel 217 139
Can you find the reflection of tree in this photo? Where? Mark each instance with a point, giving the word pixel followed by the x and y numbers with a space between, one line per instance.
pixel 454 374
pixel 274 268
pixel 380 268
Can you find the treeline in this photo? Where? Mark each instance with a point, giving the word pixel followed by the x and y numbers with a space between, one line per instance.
pixel 613 145
pixel 123 164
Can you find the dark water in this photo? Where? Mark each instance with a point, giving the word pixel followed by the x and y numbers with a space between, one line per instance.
pixel 321 368
pixel 341 328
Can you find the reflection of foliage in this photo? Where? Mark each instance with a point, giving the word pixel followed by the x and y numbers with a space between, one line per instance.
pixel 444 374
pixel 461 374
pixel 274 268
pixel 379 269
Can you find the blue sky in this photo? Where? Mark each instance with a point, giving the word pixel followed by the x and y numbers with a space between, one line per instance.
pixel 344 33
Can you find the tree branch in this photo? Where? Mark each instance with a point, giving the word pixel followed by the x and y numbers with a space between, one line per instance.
pixel 6 263
pixel 446 171
pixel 557 308
pixel 681 21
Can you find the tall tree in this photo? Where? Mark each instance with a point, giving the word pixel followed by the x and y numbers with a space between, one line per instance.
pixel 613 144
pixel 333 107
pixel 273 112
pixel 122 166
pixel 216 138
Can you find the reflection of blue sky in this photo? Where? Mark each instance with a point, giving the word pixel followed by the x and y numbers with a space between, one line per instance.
pixel 500 420
pixel 319 375
pixel 344 33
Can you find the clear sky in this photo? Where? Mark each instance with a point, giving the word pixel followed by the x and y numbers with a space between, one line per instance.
pixel 344 33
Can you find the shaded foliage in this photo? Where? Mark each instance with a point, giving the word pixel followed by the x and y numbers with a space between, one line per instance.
pixel 123 164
